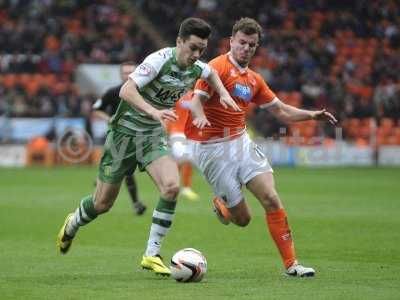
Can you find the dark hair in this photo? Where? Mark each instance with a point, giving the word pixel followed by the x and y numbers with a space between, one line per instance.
pixel 128 63
pixel 247 26
pixel 194 26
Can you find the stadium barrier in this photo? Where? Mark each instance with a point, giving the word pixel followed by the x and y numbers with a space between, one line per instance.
pixel 73 145
pixel 278 153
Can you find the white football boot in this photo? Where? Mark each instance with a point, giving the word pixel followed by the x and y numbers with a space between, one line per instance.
pixel 300 271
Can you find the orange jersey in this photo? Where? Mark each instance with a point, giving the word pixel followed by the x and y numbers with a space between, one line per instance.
pixel 183 112
pixel 244 85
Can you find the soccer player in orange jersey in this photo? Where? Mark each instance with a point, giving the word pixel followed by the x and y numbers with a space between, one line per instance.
pixel 176 131
pixel 224 152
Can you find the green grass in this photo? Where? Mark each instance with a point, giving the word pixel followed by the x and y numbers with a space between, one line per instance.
pixel 345 223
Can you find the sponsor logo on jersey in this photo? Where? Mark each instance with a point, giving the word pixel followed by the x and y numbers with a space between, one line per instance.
pixel 168 79
pixel 169 95
pixel 144 69
pixel 242 91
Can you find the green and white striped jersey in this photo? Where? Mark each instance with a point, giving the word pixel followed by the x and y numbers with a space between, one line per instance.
pixel 161 82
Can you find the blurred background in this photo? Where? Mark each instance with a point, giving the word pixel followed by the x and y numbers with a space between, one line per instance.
pixel 58 57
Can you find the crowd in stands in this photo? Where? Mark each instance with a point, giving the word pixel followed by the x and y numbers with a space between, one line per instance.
pixel 315 54
pixel 333 54
pixel 42 42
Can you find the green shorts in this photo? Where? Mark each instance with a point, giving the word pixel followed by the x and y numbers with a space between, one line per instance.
pixel 123 152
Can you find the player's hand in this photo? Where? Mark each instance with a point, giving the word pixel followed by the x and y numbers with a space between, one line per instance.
pixel 324 116
pixel 164 114
pixel 227 101
pixel 200 122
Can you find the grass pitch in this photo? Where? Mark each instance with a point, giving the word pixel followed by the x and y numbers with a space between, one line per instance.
pixel 345 224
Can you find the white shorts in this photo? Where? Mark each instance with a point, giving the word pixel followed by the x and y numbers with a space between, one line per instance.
pixel 229 165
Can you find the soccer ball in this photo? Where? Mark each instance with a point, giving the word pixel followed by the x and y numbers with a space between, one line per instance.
pixel 188 265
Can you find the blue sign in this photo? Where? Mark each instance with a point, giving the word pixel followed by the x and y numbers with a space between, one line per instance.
pixel 27 128
pixel 242 91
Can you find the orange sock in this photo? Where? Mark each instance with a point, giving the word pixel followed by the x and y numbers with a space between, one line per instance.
pixel 280 232
pixel 186 172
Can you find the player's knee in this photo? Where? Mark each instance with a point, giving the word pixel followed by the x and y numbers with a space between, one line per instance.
pixel 242 221
pixel 271 200
pixel 170 190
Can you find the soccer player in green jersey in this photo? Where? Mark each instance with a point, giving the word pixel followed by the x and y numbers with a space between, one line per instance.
pixel 136 136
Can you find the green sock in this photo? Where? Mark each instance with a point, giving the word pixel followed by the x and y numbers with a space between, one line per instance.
pixel 83 215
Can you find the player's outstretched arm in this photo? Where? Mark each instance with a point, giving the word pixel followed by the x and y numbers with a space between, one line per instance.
pixel 130 94
pixel 196 107
pixel 288 113
pixel 225 98
pixel 324 115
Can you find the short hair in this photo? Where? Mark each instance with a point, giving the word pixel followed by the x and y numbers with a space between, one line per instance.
pixel 127 63
pixel 247 26
pixel 194 26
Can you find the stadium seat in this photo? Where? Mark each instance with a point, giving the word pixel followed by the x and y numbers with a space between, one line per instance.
pixel 396 135
pixel 386 126
pixel 49 79
pixel 9 80
pixel 294 99
pixel 392 140
pixel 24 79
pixel 32 87
pixel 361 142
pixel 351 127
pixel 39 152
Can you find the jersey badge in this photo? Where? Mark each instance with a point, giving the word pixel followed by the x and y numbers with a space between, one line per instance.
pixel 144 69
pixel 233 73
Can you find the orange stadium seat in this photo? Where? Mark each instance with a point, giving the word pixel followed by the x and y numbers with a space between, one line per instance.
pixel 361 142
pixel 364 132
pixel 60 87
pixel 32 87
pixel 380 138
pixel 391 140
pixel 303 132
pixel 294 99
pixel 9 80
pixel 386 126
pixel 397 135
pixel 329 142
pixel 52 43
pixel 38 77
pixel 39 151
pixel 309 131
pixel 49 80
pixel 24 79
pixel 351 127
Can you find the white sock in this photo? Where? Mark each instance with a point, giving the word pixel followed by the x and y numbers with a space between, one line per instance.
pixel 159 228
